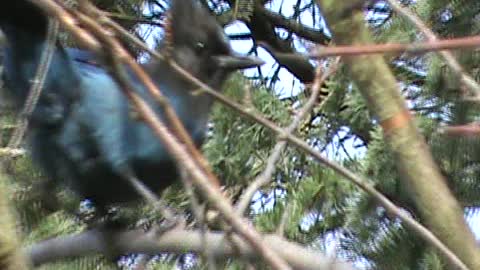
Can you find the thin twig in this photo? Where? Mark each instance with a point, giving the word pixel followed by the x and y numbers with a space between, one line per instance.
pixel 467 130
pixel 420 47
pixel 124 17
pixel 156 202
pixel 199 211
pixel 284 219
pixel 276 153
pixel 59 10
pixel 450 60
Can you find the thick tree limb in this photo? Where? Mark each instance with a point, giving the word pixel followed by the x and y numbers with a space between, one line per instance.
pixel 263 31
pixel 180 241
pixel 312 34
pixel 418 171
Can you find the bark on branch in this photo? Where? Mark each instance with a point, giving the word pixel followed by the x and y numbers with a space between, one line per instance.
pixel 181 241
pixel 418 171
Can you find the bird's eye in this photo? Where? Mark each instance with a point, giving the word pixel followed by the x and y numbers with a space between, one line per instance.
pixel 199 46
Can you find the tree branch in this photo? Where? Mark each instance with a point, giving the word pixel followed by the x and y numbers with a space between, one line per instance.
pixel 467 80
pixel 179 241
pixel 416 166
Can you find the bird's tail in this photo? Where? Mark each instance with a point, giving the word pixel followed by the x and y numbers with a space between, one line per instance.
pixel 25 27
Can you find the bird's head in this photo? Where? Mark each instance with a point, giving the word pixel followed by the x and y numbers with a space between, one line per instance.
pixel 195 40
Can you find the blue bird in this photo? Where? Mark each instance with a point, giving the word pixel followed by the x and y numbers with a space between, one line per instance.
pixel 82 132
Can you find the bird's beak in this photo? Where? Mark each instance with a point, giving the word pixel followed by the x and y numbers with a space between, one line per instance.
pixel 235 61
